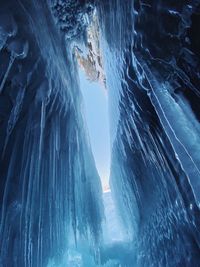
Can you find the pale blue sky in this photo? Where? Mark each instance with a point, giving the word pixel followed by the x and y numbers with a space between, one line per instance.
pixel 96 113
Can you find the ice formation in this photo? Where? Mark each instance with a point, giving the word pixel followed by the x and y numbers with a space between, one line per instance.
pixel 146 53
pixel 50 189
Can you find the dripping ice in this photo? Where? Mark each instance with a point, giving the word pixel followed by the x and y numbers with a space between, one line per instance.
pixel 53 211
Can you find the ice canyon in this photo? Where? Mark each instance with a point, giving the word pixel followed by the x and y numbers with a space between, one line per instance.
pixel 144 55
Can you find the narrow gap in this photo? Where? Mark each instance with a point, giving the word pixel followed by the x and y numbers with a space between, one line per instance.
pixel 95 98
pixel 97 119
pixel 97 114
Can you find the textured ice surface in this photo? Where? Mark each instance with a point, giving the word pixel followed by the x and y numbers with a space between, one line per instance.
pixel 50 190
pixel 152 48
pixel 50 194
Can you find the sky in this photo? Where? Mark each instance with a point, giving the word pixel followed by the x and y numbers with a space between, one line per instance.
pixel 97 119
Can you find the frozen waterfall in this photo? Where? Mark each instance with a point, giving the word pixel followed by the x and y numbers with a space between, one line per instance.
pixel 57 207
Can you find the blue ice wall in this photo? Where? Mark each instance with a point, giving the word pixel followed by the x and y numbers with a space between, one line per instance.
pixel 50 191
pixel 152 65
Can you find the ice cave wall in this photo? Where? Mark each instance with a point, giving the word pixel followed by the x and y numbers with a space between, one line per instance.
pixel 49 184
pixel 152 50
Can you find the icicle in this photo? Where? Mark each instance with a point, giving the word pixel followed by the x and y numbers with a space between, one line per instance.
pixel 18 50
pixel 42 126
pixel 14 115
